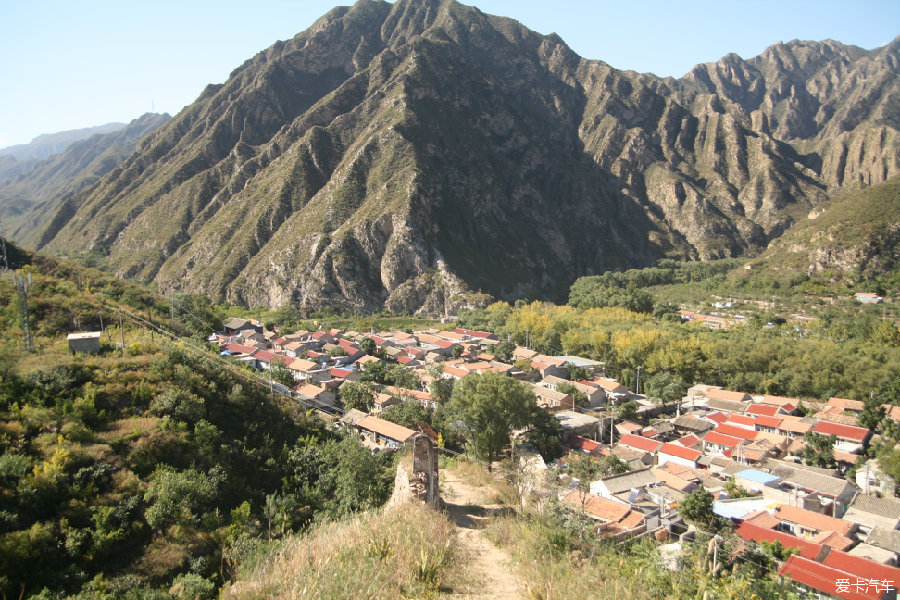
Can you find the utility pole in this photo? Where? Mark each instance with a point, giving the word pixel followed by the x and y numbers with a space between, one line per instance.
pixel 22 288
pixel 637 387
pixel 3 254
pixel 122 332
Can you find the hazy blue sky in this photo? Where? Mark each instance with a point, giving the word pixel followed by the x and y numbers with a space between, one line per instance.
pixel 72 64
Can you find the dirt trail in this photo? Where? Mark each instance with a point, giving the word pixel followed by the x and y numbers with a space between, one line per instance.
pixel 489 573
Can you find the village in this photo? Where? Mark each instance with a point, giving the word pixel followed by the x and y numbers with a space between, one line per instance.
pixel 842 535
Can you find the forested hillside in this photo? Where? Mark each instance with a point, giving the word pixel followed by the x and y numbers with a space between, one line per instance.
pixel 141 468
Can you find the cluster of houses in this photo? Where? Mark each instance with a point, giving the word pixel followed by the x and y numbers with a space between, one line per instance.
pixel 845 536
pixel 321 362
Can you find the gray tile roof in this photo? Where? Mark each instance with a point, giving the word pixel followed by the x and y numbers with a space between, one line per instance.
pixel 632 479
pixel 883 507
pixel 889 539
pixel 727 405
pixel 812 480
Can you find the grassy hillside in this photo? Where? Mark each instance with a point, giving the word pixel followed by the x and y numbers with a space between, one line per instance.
pixel 841 244
pixel 126 473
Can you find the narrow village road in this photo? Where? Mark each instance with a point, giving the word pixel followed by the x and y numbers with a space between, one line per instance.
pixel 489 572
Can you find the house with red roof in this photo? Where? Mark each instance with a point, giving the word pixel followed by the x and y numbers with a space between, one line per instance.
pixel 738 432
pixel 806 523
pixel 849 437
pixel 755 533
pixel 834 582
pixel 863 568
pixel 484 335
pixel 745 421
pixel 636 442
pixel 763 409
pixel 679 455
pixel 715 442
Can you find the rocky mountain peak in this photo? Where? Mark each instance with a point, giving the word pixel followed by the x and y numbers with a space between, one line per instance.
pixel 412 154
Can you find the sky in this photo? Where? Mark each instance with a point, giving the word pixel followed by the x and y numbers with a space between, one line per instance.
pixel 67 65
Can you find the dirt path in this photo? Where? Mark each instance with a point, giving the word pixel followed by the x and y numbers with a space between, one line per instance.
pixel 489 573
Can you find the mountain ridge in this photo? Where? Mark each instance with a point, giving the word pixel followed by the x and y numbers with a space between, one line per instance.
pixel 405 155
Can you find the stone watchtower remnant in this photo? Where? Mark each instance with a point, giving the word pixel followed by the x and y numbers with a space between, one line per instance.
pixel 417 475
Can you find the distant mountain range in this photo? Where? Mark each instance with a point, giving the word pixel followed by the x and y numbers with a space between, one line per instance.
pixel 32 189
pixel 49 144
pixel 406 155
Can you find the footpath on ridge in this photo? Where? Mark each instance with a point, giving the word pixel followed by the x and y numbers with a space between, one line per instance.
pixel 489 571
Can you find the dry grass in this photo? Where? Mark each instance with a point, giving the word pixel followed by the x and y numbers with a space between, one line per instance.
pixel 404 551
pixel 129 428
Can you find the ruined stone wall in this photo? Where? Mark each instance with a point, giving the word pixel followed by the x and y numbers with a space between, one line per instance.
pixel 417 475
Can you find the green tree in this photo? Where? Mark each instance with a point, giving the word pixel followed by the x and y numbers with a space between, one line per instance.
pixel 457 351
pixel 179 496
pixel 819 449
pixel 612 465
pixel 368 346
pixel 488 408
pixel 627 411
pixel 407 413
pixel 872 414
pixel 359 395
pixel 665 386
pixel 579 396
pixel 585 469
pixel 504 350
pixel 543 434
pixel 282 375
pixel 402 377
pixel 697 507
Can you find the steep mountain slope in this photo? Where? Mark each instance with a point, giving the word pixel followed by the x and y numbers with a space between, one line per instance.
pixel 32 190
pixel 401 154
pixel 857 235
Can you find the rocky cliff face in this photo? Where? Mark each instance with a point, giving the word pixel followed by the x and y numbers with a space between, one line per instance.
pixel 406 154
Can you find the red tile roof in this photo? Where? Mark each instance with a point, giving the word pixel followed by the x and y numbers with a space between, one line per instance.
pixel 602 508
pixel 826 579
pixel 636 441
pixel 757 534
pixel 833 539
pixel 689 441
pixel 735 431
pixel 579 443
pixel 847 432
pixel 845 403
pixel 762 518
pixel 766 421
pixel 742 420
pixel 340 373
pixel 240 349
pixel 716 417
pixel 862 567
pixel 714 437
pixel 474 333
pixel 763 409
pixel 680 452
pixel 813 520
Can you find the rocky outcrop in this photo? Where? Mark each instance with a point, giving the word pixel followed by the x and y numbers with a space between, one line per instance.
pixel 409 155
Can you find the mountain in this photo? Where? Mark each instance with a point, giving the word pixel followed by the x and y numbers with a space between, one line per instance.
pixel 404 155
pixel 48 144
pixel 32 190
pixel 856 236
